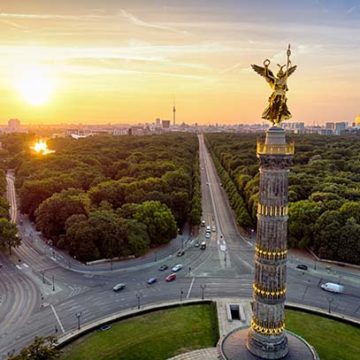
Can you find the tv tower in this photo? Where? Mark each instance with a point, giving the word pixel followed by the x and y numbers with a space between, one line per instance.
pixel 174 111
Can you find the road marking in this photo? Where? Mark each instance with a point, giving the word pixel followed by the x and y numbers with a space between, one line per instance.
pixel 19 267
pixel 57 318
pixel 249 243
pixel 26 265
pixel 191 285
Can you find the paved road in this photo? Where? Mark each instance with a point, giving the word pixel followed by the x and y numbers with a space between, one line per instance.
pixel 30 305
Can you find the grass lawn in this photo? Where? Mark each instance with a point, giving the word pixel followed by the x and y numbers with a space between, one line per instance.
pixel 154 336
pixel 333 340
pixel 166 333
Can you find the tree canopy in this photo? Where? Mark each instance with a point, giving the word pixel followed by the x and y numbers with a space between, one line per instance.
pixel 324 191
pixel 108 196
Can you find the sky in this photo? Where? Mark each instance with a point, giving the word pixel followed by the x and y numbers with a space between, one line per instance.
pixel 117 61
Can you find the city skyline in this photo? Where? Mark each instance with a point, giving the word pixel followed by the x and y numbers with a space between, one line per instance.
pixel 124 62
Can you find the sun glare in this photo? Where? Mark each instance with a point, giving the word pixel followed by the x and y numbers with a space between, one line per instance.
pixel 35 86
pixel 40 147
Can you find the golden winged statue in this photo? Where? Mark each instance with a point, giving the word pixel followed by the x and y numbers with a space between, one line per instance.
pixel 277 110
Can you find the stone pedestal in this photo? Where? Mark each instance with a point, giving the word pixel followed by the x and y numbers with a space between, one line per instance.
pixel 233 347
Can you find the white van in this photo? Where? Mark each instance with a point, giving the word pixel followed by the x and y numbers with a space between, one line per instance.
pixel 335 288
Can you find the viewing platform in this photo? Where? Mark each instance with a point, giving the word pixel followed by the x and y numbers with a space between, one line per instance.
pixel 274 149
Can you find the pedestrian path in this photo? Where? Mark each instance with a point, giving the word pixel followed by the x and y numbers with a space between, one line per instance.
pixel 202 354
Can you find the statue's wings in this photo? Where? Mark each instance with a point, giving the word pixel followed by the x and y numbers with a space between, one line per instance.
pixel 268 75
pixel 291 70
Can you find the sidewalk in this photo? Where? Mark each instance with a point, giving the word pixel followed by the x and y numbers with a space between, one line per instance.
pixel 202 354
pixel 33 239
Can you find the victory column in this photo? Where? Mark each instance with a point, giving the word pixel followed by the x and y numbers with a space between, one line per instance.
pixel 267 338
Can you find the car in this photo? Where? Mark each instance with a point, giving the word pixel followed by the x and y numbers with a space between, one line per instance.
pixel 177 268
pixel 332 287
pixel 213 229
pixel 302 267
pixel 119 287
pixel 170 277
pixel 152 280
pixel 207 183
pixel 196 244
pixel 203 223
pixel 208 229
pixel 208 235
pixel 203 245
pixel 163 267
pixel 104 327
pixel 180 253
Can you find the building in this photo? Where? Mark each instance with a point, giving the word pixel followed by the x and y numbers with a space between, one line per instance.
pixel 340 127
pixel 330 125
pixel 294 127
pixel 14 125
pixel 165 124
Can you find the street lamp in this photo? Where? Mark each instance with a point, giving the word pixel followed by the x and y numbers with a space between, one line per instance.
pixel 203 287
pixel 138 300
pixel 252 234
pixel 78 315
pixel 330 300
pixel 181 294
pixel 43 275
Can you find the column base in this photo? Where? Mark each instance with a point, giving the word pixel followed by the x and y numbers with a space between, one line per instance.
pixel 267 347
pixel 234 347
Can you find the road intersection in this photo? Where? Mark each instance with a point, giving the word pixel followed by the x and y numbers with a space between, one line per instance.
pixel 43 291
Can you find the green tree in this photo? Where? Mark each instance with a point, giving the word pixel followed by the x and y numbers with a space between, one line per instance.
pixel 111 232
pixel 137 237
pixel 302 218
pixel 327 234
pixel 350 242
pixel 4 208
pixel 40 349
pixel 81 238
pixel 54 211
pixel 111 191
pixel 8 235
pixel 160 222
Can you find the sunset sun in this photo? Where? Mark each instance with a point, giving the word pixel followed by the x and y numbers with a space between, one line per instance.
pixel 35 86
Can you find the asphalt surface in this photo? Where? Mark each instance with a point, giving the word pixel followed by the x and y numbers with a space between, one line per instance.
pixel 43 291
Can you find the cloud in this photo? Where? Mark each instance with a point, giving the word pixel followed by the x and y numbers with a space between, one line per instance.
pixel 231 68
pixel 352 9
pixel 13 24
pixel 48 16
pixel 135 20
